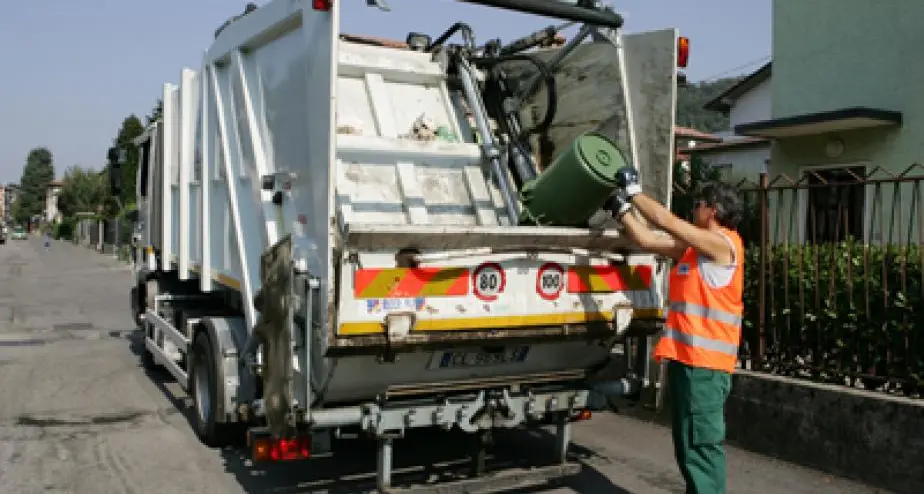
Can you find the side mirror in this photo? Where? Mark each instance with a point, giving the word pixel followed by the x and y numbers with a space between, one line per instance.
pixel 115 179
pixel 418 41
pixel 115 158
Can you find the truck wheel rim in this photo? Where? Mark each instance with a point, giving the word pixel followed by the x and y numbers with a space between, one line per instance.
pixel 203 400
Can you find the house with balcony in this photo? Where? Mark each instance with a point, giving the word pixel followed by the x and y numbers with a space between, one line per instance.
pixel 52 213
pixel 740 157
pixel 844 105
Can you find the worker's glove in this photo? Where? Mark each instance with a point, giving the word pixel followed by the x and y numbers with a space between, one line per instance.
pixel 619 204
pixel 627 180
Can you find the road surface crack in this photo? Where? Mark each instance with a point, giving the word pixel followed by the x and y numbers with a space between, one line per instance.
pixel 107 419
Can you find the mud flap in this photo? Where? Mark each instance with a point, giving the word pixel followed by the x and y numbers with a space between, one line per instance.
pixel 274 326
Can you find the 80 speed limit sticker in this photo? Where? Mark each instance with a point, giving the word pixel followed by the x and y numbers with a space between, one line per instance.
pixel 550 281
pixel 489 280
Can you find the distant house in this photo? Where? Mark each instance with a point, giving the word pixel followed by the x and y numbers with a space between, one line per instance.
pixel 685 139
pixel 741 157
pixel 841 110
pixel 52 214
pixel 10 192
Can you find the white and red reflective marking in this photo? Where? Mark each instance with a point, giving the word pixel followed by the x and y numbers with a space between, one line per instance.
pixel 550 280
pixel 488 281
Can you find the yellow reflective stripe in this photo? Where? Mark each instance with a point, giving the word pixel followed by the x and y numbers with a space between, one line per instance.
pixel 496 322
pixel 232 283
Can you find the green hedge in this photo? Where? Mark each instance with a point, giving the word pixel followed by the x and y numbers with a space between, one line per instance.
pixel 840 311
pixel 64 230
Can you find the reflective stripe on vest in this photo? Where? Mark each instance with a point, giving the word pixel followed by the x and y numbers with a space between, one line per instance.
pixel 706 312
pixel 704 323
pixel 701 341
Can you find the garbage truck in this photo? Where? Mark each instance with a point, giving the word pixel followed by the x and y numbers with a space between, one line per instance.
pixel 343 236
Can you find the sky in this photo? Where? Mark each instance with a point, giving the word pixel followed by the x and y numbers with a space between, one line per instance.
pixel 76 69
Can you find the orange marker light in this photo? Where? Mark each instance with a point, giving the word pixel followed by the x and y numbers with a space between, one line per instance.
pixel 683 51
pixel 260 450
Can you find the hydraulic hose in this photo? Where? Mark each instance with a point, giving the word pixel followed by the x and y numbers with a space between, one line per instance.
pixel 467 35
pixel 496 95
pixel 555 8
pixel 547 76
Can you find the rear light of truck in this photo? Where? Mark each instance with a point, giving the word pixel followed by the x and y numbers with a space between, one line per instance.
pixel 268 448
pixel 683 51
pixel 323 5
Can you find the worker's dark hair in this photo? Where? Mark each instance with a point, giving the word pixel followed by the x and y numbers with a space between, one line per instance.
pixel 724 198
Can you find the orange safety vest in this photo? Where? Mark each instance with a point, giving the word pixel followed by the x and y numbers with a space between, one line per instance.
pixel 703 323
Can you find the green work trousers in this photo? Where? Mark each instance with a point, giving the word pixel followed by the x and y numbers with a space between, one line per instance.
pixel 698 415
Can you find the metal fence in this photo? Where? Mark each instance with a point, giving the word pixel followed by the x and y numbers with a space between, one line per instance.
pixel 101 234
pixel 834 276
pixel 87 233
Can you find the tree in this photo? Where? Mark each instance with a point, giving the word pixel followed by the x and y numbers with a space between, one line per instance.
pixel 83 190
pixel 692 97
pixel 131 128
pixel 37 174
pixel 156 112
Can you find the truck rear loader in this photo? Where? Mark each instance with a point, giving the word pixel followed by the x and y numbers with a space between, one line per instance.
pixel 346 236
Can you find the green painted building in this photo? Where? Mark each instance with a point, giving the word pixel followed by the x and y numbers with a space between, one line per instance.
pixel 847 97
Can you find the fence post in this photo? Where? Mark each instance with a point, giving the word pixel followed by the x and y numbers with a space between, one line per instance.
pixel 759 340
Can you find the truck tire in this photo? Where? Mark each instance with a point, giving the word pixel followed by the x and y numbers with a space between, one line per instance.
pixel 203 386
pixel 138 299
pixel 147 359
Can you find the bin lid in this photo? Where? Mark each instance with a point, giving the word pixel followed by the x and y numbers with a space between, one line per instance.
pixel 600 155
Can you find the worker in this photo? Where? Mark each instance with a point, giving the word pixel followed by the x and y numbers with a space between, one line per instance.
pixel 703 328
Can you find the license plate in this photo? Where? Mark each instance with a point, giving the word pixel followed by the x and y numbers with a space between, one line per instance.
pixel 451 360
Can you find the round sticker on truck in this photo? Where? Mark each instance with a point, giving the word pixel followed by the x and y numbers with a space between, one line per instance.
pixel 489 281
pixel 550 280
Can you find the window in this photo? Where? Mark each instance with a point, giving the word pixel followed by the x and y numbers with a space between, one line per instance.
pixel 836 203
pixel 143 171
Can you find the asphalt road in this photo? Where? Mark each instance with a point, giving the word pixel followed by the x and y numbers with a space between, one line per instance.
pixel 79 415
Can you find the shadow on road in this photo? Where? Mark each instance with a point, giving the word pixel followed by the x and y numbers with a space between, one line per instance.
pixel 422 457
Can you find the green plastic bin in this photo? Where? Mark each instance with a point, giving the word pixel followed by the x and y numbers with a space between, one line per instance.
pixel 575 186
